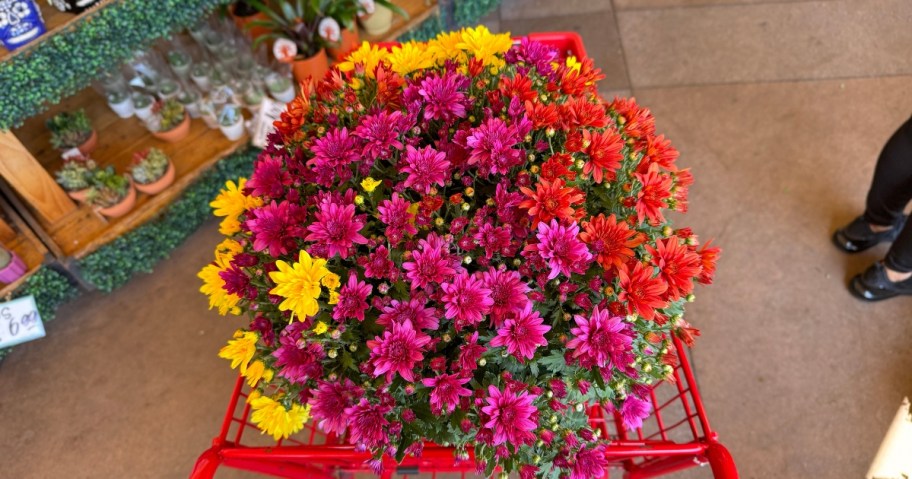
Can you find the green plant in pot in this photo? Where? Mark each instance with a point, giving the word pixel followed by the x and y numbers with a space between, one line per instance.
pixel 74 177
pixel 72 130
pixel 180 62
pixel 231 122
pixel 152 171
pixel 111 193
pixel 170 121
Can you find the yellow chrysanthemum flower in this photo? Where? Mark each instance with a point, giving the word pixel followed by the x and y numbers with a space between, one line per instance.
pixel 368 55
pixel 320 328
pixel 228 248
pixel 409 57
pixel 484 45
pixel 299 284
pixel 257 371
pixel 240 350
pixel 331 280
pixel 333 297
pixel 369 184
pixel 214 286
pixel 446 47
pixel 231 203
pixel 272 418
pixel 573 64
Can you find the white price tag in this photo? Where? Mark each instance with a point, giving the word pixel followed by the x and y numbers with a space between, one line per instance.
pixel 19 321
pixel 270 111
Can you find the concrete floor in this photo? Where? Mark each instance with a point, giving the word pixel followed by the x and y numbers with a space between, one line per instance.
pixel 780 108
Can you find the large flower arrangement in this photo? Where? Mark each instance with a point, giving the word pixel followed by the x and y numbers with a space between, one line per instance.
pixel 458 242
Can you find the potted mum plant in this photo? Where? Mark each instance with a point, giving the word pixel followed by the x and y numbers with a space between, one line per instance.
pixel 231 122
pixel 169 121
pixel 111 194
pixel 152 171
pixel 74 177
pixel 11 266
pixel 467 251
pixel 72 130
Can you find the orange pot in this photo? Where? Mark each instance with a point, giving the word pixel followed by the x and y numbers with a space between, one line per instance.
pixel 348 41
pixel 79 195
pixel 175 134
pixel 89 145
pixel 160 184
pixel 123 207
pixel 241 23
pixel 315 67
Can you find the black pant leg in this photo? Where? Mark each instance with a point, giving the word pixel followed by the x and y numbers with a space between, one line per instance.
pixel 899 258
pixel 891 188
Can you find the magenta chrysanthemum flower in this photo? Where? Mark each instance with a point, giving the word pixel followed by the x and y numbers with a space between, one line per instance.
pixel 443 99
pixel 367 423
pixel 427 267
pixel 298 360
pixel 412 311
pixel 447 389
pixel 275 226
pixel 492 147
pixel 469 354
pixel 380 133
pixel 425 168
pixel 466 300
pixel 508 293
pixel 336 149
pixel 398 351
pixel 352 300
pixel 493 239
pixel 329 402
pixel 561 247
pixel 634 410
pixel 269 178
pixel 522 334
pixel 394 213
pixel 600 339
pixel 379 265
pixel 337 228
pixel 533 53
pixel 589 463
pixel 512 417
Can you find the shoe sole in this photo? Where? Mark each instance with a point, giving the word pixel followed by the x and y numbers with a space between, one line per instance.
pixel 858 290
pixel 894 233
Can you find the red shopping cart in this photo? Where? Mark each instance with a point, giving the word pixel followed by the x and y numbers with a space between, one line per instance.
pixel 676 437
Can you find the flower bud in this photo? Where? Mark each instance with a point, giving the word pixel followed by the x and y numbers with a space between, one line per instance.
pixel 353 347
pixel 550 132
pixel 647 367
pixel 332 353
pixel 438 221
pixel 578 407
pixel 580 164
pixel 467 259
pixel 466 207
pixel 691 298
pixel 359 200
pixel 534 169
pixel 470 192
pixel 482 362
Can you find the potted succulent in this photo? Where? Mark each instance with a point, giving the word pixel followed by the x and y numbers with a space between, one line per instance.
pixel 169 121
pixel 152 171
pixel 74 176
pixel 231 122
pixel 376 16
pixel 11 266
pixel 190 99
pixel 142 105
pixel 179 61
pixel 112 194
pixel 252 97
pixel 199 73
pixel 168 88
pixel 72 130
pixel 280 87
pixel 121 102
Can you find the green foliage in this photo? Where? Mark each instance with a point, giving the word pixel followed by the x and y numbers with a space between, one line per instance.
pixel 108 187
pixel 65 63
pixel 51 289
pixel 463 13
pixel 69 130
pixel 467 14
pixel 149 165
pixel 293 20
pixel 141 249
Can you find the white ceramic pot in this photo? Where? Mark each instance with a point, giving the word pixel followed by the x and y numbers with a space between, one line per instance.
pixel 233 132
pixel 124 109
pixel 201 82
pixel 144 113
pixel 284 96
pixel 378 22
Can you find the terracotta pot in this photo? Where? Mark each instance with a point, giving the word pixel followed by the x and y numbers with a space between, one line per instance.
pixel 14 270
pixel 242 22
pixel 160 184
pixel 175 134
pixel 89 145
pixel 315 66
pixel 347 42
pixel 123 207
pixel 378 22
pixel 79 195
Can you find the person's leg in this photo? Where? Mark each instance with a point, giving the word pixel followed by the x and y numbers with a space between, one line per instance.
pixel 899 259
pixel 891 188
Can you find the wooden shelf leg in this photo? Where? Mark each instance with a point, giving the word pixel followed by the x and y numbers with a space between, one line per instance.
pixel 31 181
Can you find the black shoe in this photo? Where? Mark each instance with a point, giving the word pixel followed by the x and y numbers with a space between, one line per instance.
pixel 873 285
pixel 857 235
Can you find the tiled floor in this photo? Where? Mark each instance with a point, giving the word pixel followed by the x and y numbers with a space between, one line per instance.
pixel 779 107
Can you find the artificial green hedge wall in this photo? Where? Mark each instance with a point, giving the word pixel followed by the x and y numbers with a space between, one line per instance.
pixel 67 62
pixel 141 249
pixel 51 289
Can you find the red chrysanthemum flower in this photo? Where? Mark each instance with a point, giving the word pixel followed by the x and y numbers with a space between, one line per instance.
pixel 398 351
pixel 651 198
pixel 292 119
pixel 637 122
pixel 611 242
pixel 605 157
pixel 337 228
pixel 640 290
pixel 446 391
pixel 708 258
pixel 512 416
pixel 581 113
pixel 269 178
pixel 329 402
pixel 275 226
pixel 367 423
pixel 678 266
pixel 543 115
pixel 658 150
pixel 522 334
pixel 519 87
pixel 551 199
pixel 578 82
pixel 558 166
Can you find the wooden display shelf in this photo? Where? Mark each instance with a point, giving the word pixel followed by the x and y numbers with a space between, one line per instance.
pixel 54 21
pixel 16 236
pixel 83 230
pixel 418 10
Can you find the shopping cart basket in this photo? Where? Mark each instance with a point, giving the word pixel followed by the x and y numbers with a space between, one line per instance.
pixel 675 437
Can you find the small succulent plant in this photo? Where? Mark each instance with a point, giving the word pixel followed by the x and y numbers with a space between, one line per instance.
pixel 170 113
pixel 108 188
pixel 230 115
pixel 75 173
pixel 149 165
pixel 69 130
